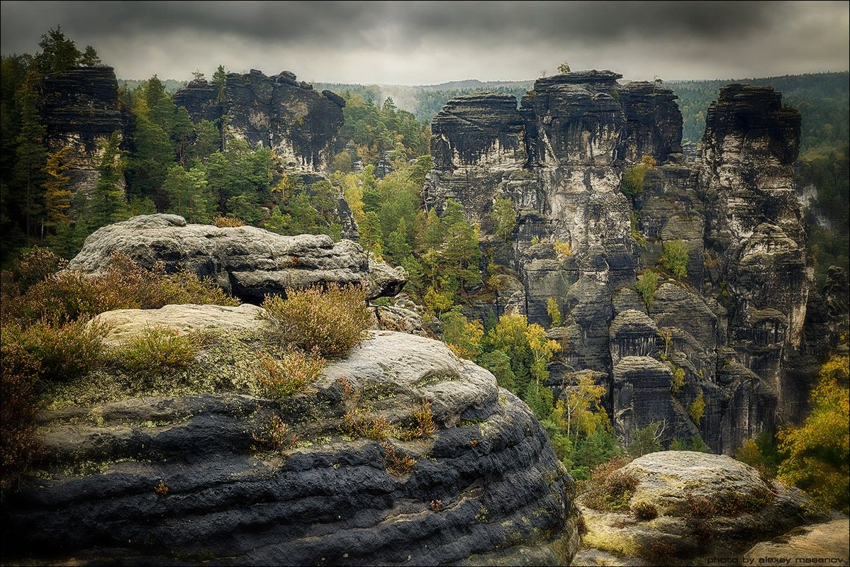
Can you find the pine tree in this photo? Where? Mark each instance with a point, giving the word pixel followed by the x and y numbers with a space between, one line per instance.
pixel 30 155
pixel 107 203
pixel 181 132
pixel 58 53
pixel 57 197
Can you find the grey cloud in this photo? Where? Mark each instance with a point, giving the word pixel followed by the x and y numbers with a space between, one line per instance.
pixel 393 41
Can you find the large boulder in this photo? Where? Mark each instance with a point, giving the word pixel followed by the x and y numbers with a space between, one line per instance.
pixel 707 506
pixel 186 470
pixel 246 261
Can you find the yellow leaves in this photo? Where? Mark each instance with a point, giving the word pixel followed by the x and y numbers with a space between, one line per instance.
pixel 819 450
pixel 562 249
pixel 697 408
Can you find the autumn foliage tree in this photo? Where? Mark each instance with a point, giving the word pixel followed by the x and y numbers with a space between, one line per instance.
pixel 819 451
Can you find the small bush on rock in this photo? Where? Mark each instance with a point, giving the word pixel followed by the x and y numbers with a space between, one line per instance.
pixel 276 436
pixel 423 421
pixel 69 295
pixel 360 422
pixel 645 286
pixel 659 552
pixel 227 222
pixel 397 464
pixel 156 352
pixel 290 375
pixel 17 419
pixel 609 489
pixel 332 320
pixel 63 351
pixel 699 507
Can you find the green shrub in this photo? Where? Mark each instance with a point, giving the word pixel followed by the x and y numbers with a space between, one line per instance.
pixel 645 286
pixel 63 351
pixel 697 408
pixel 646 439
pixel 290 375
pixel 333 320
pixel 632 181
pixel 70 295
pixel 156 352
pixel 675 258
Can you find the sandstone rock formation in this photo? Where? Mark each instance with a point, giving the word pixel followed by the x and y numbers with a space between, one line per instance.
pixel 280 113
pixel 707 506
pixel 185 473
pixel 246 261
pixel 824 544
pixel 80 110
pixel 731 325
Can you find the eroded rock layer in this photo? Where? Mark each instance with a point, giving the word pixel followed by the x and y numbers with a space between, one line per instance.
pixel 246 261
pixel 181 479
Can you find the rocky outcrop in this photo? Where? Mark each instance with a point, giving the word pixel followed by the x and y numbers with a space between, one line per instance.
pixel 80 110
pixel 200 99
pixel 754 230
pixel 706 505
pixel 247 262
pixel 560 158
pixel 164 478
pixel 124 325
pixel 821 544
pixel 288 116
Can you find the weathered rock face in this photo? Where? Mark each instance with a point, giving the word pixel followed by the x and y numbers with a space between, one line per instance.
pixel 201 100
pixel 653 123
pixel 178 479
pixel 754 229
pixel 80 110
pixel 665 479
pixel 280 113
pixel 560 158
pixel 246 261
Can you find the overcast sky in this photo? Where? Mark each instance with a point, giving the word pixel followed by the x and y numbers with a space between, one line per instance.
pixel 433 42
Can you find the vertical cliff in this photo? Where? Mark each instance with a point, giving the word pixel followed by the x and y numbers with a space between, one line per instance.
pixel 288 116
pixel 754 231
pixel 80 109
pixel 729 325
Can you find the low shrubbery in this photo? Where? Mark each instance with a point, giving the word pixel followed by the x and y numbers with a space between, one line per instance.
pixel 423 423
pixel 332 320
pixel 609 489
pixel 291 374
pixel 70 295
pixel 47 336
pixel 398 464
pixel 156 351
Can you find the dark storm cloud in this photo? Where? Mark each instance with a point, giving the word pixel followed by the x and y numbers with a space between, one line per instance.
pixel 404 24
pixel 420 42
